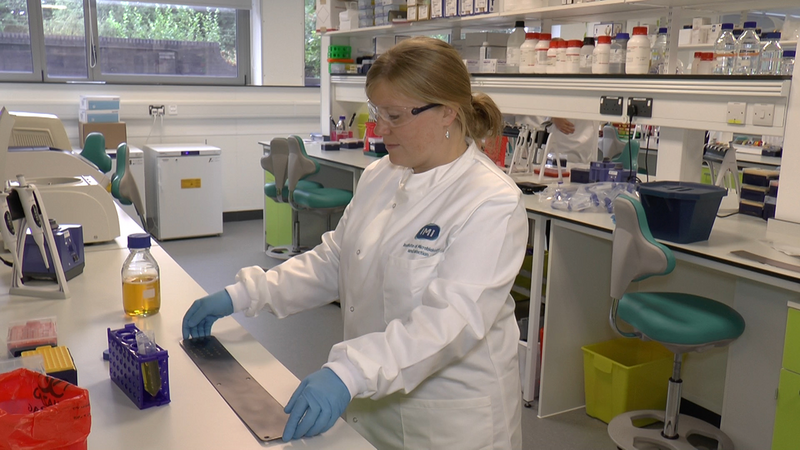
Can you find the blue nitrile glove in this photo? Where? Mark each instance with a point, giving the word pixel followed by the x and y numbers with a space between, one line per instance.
pixel 316 404
pixel 204 312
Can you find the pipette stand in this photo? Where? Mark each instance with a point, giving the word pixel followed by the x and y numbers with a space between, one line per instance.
pixel 18 286
pixel 520 145
pixel 725 157
pixel 542 164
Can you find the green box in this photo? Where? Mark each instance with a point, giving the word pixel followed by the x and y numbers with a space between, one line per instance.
pixel 625 375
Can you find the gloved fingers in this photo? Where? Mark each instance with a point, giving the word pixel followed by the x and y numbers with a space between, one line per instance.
pixel 309 419
pixel 297 393
pixel 191 318
pixel 330 423
pixel 322 421
pixel 297 411
pixel 207 326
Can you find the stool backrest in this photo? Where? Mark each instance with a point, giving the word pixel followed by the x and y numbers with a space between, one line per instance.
pixel 276 162
pixel 300 165
pixel 635 255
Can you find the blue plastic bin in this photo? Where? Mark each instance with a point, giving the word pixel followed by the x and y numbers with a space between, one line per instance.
pixel 679 211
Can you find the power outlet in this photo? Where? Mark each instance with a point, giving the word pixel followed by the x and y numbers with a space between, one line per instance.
pixel 763 114
pixel 611 106
pixel 644 106
pixel 157 110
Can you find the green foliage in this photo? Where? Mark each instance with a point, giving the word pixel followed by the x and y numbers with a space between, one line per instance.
pixel 13 16
pixel 312 41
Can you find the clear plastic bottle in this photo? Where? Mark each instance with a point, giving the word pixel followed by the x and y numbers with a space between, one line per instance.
pixel 542 47
pixel 513 47
pixel 527 57
pixel 748 51
pixel 141 279
pixel 725 51
pixel 787 65
pixel 619 49
pixel 601 55
pixel 771 54
pixel 341 127
pixel 637 57
pixel 587 52
pixel 658 54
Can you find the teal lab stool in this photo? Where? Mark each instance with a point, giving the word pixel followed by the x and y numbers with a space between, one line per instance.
pixel 680 322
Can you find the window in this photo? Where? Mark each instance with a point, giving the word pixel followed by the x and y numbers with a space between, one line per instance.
pixel 312 45
pixel 107 40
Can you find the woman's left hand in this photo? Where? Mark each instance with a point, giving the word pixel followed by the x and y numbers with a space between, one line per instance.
pixel 316 404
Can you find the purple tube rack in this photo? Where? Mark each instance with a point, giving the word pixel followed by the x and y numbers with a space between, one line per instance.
pixel 125 367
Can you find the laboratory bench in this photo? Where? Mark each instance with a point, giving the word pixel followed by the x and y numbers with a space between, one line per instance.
pixel 197 416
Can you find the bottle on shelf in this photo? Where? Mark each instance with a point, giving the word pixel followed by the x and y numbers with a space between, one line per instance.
pixel 771 54
pixel 561 57
pixel 513 47
pixel 574 56
pixel 619 46
pixel 637 56
pixel 748 51
pixel 341 128
pixel 527 54
pixel 725 51
pixel 484 52
pixel 706 63
pixel 141 280
pixel 542 47
pixel 658 54
pixel 696 63
pixel 787 64
pixel 587 52
pixel 601 55
pixel 552 54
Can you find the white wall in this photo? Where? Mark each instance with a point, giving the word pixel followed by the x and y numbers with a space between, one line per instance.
pixel 233 118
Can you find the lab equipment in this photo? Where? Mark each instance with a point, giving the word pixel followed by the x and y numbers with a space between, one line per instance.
pixel 126 184
pixel 262 414
pixel 748 51
pixel 586 55
pixel 69 247
pixel 725 51
pixel 601 55
pixel 141 278
pixel 125 367
pixel 659 53
pixel 787 65
pixel 619 50
pixel 514 46
pixel 146 346
pixel 341 128
pixel 58 362
pixel 574 56
pixel 542 47
pixel 315 405
pixel 680 322
pixel 721 161
pixel 204 312
pixel 31 334
pixel 183 185
pixel 681 211
pixel 637 58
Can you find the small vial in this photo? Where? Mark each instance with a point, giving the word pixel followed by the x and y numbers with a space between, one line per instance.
pixel 141 281
pixel 787 65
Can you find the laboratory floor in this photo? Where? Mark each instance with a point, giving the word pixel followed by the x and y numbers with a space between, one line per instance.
pixel 302 342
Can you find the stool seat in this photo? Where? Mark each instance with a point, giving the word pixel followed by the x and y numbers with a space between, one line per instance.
pixel 682 319
pixel 271 192
pixel 321 198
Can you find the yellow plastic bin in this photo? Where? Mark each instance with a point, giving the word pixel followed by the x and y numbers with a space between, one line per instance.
pixel 625 375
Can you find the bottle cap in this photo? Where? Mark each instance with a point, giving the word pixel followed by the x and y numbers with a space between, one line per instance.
pixel 662 30
pixel 623 36
pixel 537 36
pixel 554 43
pixel 575 43
pixel 588 41
pixel 698 55
pixel 139 240
pixel 530 36
pixel 727 26
pixel 789 53
pixel 519 24
pixel 562 43
pixel 604 39
pixel 545 36
pixel 750 24
pixel 706 56
pixel 640 31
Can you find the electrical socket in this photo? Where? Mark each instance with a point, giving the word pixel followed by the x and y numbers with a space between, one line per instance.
pixel 644 106
pixel 611 105
pixel 157 110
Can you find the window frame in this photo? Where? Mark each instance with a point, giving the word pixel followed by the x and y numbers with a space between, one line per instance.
pixel 95 75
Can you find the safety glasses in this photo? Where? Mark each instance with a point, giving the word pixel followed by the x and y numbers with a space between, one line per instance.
pixel 397 116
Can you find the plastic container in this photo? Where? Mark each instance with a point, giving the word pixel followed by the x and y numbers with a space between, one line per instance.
pixel 706 63
pixel 586 55
pixel 561 56
pixel 748 51
pixel 725 51
pixel 625 375
pixel 513 47
pixel 339 52
pixel 485 51
pixel 787 64
pixel 637 56
pixel 574 56
pixel 658 54
pixel 679 211
pixel 601 55
pixel 24 335
pixel 141 279
pixel 527 57
pixel 771 54
pixel 542 47
pixel 125 367
pixel 696 62
pixel 552 56
pixel 619 49
pixel 341 128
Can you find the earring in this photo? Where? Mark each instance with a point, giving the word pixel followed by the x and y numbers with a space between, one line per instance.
pixel 447 134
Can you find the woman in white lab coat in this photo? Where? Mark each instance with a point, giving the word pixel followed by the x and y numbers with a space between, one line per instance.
pixel 422 262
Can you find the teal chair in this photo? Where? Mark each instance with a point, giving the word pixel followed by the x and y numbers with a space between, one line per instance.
pixel 94 150
pixel 680 322
pixel 618 150
pixel 123 185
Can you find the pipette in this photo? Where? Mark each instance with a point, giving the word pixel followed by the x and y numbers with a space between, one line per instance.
pixel 28 198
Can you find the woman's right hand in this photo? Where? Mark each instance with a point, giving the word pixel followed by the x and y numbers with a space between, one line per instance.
pixel 204 312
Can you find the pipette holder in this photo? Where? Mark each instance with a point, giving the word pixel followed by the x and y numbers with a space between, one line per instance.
pixel 125 367
pixel 724 156
pixel 35 217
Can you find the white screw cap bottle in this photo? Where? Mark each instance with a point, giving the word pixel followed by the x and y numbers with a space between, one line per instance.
pixel 637 58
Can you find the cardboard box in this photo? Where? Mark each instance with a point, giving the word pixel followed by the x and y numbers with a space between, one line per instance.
pixel 328 14
pixel 424 12
pixel 451 8
pixel 115 133
pixel 466 8
pixel 437 9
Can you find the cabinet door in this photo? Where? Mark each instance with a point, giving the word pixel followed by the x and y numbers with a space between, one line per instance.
pixel 791 348
pixel 787 416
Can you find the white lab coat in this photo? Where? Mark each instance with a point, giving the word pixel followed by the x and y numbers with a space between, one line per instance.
pixel 423 265
pixel 578 147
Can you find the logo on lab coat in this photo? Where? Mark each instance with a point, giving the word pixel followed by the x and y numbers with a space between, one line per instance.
pixel 429 232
